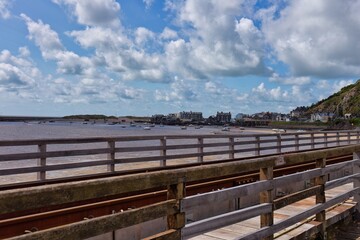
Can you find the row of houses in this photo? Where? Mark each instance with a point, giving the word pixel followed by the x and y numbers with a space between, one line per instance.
pixel 196 117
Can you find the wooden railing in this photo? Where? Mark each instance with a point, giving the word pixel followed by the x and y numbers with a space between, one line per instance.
pixel 48 159
pixel 177 206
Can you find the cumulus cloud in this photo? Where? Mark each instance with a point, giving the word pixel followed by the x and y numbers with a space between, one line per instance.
pixel 312 38
pixel 181 90
pixel 52 49
pixel 218 43
pixel 94 12
pixel 168 33
pixel 16 72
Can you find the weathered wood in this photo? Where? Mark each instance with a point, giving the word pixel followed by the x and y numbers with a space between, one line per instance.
pixel 41 175
pixel 171 234
pixel 177 219
pixel 257 146
pixel 225 219
pixel 163 151
pixel 111 156
pixel 231 148
pixel 200 149
pixel 264 232
pixel 341 181
pixel 100 225
pixel 192 202
pixel 267 219
pixel 320 196
pixel 356 170
pixel 294 197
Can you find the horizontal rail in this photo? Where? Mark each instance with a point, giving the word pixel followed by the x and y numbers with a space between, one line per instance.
pixel 225 219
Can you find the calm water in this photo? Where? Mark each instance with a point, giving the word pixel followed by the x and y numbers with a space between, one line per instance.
pixel 33 130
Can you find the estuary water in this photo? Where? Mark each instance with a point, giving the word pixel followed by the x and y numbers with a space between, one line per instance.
pixel 54 130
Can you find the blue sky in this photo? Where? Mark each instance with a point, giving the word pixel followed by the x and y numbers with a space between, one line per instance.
pixel 144 57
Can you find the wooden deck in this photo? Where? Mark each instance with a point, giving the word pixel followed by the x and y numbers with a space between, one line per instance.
pixel 300 230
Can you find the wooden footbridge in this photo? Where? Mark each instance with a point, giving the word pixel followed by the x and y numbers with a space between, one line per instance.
pixel 179 187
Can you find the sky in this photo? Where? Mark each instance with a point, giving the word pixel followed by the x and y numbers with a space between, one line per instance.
pixel 145 57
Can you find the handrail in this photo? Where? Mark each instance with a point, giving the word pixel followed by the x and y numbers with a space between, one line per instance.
pixel 110 154
pixel 177 205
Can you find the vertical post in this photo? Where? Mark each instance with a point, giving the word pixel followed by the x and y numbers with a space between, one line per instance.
pixel 337 139
pixel 257 145
pixel 111 156
pixel 349 138
pixel 357 137
pixel 176 191
pixel 267 197
pixel 231 148
pixel 278 143
pixel 312 141
pixel 200 150
pixel 163 151
pixel 41 162
pixel 356 170
pixel 320 197
pixel 325 140
pixel 297 147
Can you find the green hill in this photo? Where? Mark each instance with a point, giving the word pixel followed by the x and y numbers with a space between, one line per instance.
pixel 347 100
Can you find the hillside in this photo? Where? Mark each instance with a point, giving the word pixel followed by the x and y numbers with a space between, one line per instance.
pixel 347 100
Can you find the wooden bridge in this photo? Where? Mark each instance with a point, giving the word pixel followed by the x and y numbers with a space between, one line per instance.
pixel 226 180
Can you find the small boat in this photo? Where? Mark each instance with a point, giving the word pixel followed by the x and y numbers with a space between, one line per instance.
pixel 226 129
pixel 147 128
pixel 183 127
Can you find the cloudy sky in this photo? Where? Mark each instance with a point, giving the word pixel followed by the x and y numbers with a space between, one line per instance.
pixel 141 57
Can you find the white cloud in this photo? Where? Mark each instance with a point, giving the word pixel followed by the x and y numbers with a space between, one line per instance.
pixel 148 3
pixel 16 72
pixel 94 12
pixel 4 9
pixel 52 49
pixel 181 90
pixel 290 80
pixel 143 35
pixel 168 33
pixel 312 38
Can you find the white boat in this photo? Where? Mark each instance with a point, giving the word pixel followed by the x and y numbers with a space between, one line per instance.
pixel 147 128
pixel 183 127
pixel 226 129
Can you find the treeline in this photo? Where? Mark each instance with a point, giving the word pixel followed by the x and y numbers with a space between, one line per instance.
pixel 90 116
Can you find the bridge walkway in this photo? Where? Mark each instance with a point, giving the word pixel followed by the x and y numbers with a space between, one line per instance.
pixel 301 230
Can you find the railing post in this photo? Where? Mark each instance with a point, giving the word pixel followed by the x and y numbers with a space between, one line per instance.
pixel 349 138
pixel 325 140
pixel 200 150
pixel 111 156
pixel 356 170
pixel 176 191
pixel 312 141
pixel 257 145
pixel 41 175
pixel 231 148
pixel 320 197
pixel 267 197
pixel 357 137
pixel 297 147
pixel 278 143
pixel 163 151
pixel 337 139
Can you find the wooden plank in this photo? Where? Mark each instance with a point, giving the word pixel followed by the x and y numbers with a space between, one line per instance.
pixel 225 219
pixel 53 167
pixel 339 166
pixel 296 177
pixel 194 201
pixel 295 197
pixel 341 181
pixel 267 219
pixel 171 234
pixel 266 231
pixel 100 225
